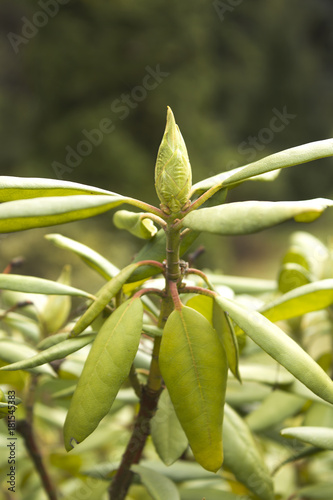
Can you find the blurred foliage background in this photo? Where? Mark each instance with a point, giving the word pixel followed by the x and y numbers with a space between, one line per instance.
pixel 227 70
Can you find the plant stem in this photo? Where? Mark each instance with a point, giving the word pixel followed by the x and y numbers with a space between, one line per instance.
pixel 151 391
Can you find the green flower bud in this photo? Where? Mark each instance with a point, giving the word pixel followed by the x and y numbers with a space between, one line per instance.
pixel 173 174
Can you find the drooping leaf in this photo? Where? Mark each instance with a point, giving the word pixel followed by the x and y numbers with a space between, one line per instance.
pixel 243 458
pixel 158 486
pixel 280 347
pixel 292 276
pixel 224 328
pixel 57 351
pixel 194 367
pixel 273 410
pixel 168 436
pixel 133 222
pixel 12 351
pixel 92 258
pixel 251 216
pixel 105 294
pixel 283 159
pixel 299 301
pixel 107 366
pixel 31 284
pixel 322 437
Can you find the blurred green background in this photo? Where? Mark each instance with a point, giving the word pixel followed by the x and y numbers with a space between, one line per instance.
pixel 71 67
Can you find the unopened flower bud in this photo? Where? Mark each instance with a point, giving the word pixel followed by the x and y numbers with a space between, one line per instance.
pixel 173 174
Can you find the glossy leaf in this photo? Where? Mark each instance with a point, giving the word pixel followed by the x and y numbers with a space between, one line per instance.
pixel 194 367
pixel 243 458
pixel 157 485
pixel 12 351
pixel 107 366
pixel 31 284
pixel 274 409
pixel 251 216
pixel 133 222
pixel 299 301
pixel 225 330
pixel 48 211
pixel 90 257
pixel 168 436
pixel 322 437
pixel 281 347
pixel 283 159
pixel 105 294
pixel 57 351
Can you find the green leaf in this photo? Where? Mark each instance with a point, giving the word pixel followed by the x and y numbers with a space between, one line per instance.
pixel 208 493
pixel 283 159
pixel 274 375
pixel 322 437
pixel 19 188
pixel 30 284
pixel 28 327
pixel 154 249
pixel 168 436
pixel 158 486
pixel 107 366
pixel 90 257
pixel 105 294
pixel 299 301
pixel 251 216
pixel 292 276
pixel 48 211
pixel 135 223
pixel 280 347
pixel 320 491
pixel 273 410
pixel 57 307
pixel 241 284
pixel 243 458
pixel 12 351
pixel 194 367
pixel 228 338
pixel 57 351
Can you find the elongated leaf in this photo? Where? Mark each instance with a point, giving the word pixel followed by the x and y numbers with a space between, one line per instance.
pixel 287 158
pixel 317 436
pixel 90 257
pixel 251 216
pixel 292 276
pixel 320 491
pixel 105 294
pixel 273 410
pixel 194 367
pixel 57 351
pixel 208 493
pixel 266 374
pixel 19 188
pixel 281 347
pixel 241 284
pixel 12 351
pixel 168 436
pixel 154 249
pixel 134 223
pixel 158 486
pixel 32 284
pixel 28 327
pixel 228 338
pixel 243 458
pixel 301 300
pixel 107 366
pixel 48 211
pixel 246 393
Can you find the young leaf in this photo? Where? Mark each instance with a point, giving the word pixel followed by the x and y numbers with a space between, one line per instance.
pixel 32 284
pixel 281 347
pixel 57 351
pixel 105 294
pixel 251 216
pixel 134 223
pixel 12 351
pixel 283 159
pixel 158 486
pixel 242 456
pixel 168 436
pixel 90 257
pixel 228 338
pixel 194 367
pixel 322 437
pixel 107 366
